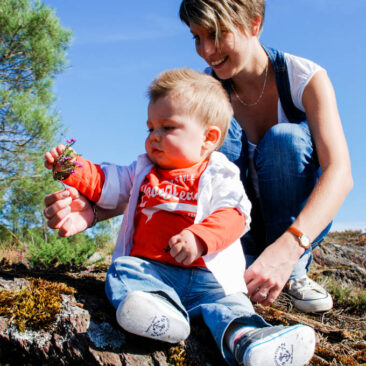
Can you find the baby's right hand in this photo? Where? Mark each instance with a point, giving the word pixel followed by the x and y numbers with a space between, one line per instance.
pixel 52 156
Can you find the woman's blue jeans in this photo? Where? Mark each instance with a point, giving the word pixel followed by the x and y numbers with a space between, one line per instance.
pixel 287 168
pixel 194 291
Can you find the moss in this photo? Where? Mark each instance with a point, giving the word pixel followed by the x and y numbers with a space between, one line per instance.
pixel 178 357
pixel 360 356
pixel 34 307
pixel 331 356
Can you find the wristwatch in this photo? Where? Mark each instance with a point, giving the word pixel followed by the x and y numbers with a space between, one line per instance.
pixel 304 240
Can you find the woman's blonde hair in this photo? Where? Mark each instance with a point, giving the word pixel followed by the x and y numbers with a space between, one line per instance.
pixel 204 96
pixel 217 15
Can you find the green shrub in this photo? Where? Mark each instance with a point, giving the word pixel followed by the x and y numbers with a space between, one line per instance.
pixel 347 296
pixel 5 234
pixel 75 250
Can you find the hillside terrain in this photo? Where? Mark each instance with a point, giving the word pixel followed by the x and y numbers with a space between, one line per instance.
pixel 84 331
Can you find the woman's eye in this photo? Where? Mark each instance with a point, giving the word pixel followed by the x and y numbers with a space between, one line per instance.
pixel 196 39
pixel 168 128
pixel 149 130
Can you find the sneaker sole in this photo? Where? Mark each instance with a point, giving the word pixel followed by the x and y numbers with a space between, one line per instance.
pixel 153 317
pixel 313 306
pixel 293 346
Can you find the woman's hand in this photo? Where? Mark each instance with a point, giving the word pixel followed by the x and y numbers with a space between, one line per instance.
pixel 267 276
pixel 68 211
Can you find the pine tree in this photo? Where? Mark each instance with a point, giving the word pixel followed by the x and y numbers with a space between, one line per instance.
pixel 32 51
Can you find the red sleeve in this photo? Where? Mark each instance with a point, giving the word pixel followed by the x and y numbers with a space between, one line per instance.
pixel 220 229
pixel 88 179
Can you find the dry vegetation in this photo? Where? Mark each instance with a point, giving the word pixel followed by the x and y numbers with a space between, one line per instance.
pixel 340 264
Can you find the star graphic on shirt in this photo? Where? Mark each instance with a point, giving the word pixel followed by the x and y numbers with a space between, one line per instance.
pixel 169 206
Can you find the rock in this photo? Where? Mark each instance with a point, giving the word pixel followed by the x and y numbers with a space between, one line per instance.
pixel 160 358
pixel 346 262
pixel 137 360
pixel 104 336
pixel 85 332
pixel 3 324
pixel 106 358
pixel 96 257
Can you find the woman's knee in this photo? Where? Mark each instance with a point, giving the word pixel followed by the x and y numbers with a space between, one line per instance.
pixel 288 147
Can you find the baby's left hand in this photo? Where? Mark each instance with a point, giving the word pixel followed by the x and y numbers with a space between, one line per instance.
pixel 52 156
pixel 186 247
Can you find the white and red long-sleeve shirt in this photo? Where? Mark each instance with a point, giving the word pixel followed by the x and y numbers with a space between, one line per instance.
pixel 167 205
pixel 207 199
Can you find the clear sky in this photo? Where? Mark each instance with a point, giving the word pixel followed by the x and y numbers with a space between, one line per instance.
pixel 119 46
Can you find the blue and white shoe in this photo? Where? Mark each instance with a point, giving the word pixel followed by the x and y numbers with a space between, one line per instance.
pixel 276 346
pixel 152 316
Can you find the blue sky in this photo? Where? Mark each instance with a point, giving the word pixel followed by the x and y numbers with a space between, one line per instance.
pixel 119 46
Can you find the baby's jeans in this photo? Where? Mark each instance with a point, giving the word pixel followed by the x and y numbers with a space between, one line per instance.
pixel 288 169
pixel 194 291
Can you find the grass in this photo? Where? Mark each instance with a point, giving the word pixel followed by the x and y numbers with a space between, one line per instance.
pixel 347 295
pixel 14 253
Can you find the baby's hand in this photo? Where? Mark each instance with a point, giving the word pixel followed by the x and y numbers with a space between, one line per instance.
pixel 52 156
pixel 186 247
pixel 62 161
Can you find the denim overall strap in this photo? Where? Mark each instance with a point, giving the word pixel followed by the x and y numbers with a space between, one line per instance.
pixel 279 66
pixel 235 147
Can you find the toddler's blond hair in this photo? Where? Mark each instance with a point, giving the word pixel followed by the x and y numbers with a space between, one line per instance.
pixel 204 96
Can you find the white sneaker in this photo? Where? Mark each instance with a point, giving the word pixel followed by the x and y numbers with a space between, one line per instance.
pixel 152 316
pixel 276 346
pixel 308 296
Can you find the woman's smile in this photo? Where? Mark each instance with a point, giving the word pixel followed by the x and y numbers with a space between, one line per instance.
pixel 218 63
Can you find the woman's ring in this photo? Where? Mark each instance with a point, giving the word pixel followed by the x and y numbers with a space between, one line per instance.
pixel 263 294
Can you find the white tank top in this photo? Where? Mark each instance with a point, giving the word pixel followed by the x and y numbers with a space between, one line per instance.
pixel 300 71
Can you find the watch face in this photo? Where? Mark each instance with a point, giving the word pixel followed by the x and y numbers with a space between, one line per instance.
pixel 305 241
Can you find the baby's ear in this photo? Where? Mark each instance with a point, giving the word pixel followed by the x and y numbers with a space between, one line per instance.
pixel 213 136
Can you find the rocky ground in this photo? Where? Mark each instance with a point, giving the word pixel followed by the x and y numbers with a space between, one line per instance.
pixel 86 333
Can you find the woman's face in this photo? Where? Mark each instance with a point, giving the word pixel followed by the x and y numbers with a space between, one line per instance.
pixel 228 57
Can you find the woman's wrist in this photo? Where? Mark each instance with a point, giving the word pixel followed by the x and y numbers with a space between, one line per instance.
pixel 293 245
pixel 288 246
pixel 101 214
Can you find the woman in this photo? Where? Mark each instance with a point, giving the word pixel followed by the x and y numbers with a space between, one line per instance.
pixel 286 127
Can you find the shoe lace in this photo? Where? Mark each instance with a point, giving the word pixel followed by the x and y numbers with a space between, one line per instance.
pixel 304 283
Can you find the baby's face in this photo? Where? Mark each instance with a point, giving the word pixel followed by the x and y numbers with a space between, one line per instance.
pixel 176 139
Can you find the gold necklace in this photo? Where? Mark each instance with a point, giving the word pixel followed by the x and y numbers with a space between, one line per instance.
pixel 260 95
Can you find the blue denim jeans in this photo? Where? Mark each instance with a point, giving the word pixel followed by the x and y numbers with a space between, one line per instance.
pixel 194 291
pixel 288 169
